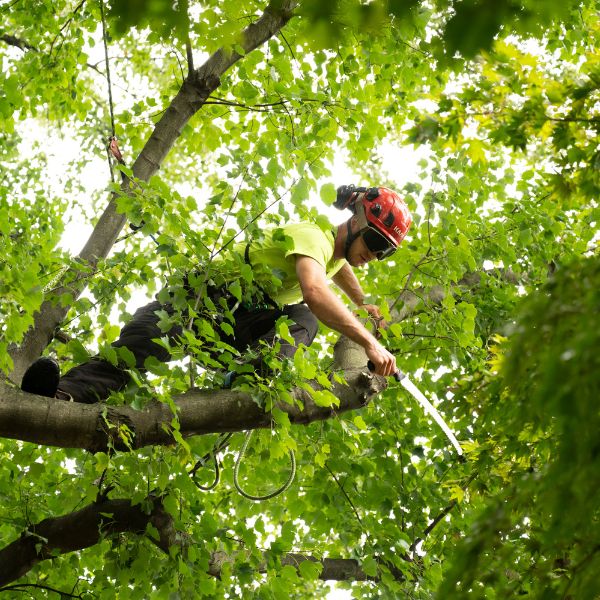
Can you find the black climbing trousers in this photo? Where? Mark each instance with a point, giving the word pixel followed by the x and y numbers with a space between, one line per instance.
pixel 94 380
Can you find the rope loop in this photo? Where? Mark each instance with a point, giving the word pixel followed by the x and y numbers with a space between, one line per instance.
pixel 272 494
pixel 221 443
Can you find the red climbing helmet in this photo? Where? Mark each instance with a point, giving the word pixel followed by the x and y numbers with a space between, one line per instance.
pixel 383 217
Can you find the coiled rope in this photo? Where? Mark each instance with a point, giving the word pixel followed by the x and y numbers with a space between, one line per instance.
pixel 221 443
pixel 236 472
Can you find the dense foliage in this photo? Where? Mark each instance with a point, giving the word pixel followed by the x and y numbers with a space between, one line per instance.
pixel 492 299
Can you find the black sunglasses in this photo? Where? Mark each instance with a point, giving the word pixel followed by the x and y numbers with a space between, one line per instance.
pixel 377 244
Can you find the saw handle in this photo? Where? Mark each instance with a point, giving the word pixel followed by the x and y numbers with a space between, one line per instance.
pixel 398 375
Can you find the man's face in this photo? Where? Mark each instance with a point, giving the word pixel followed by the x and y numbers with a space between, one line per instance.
pixel 359 254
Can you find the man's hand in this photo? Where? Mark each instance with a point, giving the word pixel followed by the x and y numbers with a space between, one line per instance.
pixel 384 361
pixel 375 314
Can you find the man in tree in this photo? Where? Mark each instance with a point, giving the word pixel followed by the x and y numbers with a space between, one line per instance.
pixel 303 257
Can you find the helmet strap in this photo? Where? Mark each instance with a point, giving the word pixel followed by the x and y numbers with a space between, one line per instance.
pixel 350 237
pixel 361 219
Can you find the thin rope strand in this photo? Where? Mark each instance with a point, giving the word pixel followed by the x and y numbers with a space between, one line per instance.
pixel 110 98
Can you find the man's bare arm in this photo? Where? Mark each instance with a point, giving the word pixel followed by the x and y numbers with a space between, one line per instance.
pixel 346 280
pixel 331 311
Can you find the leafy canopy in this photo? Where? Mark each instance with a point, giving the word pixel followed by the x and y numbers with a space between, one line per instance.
pixel 492 298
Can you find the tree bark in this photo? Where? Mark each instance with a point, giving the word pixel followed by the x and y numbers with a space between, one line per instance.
pixel 190 98
pixel 98 427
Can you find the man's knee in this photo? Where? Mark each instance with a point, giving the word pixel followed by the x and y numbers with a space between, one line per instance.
pixel 306 324
pixel 138 333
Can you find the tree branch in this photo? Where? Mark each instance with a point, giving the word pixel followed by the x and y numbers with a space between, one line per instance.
pixel 190 98
pixel 96 427
pixel 441 515
pixel 65 25
pixel 90 525
pixel 100 427
pixel 84 528
pixel 332 569
pixel 434 295
pixel 574 120
pixel 22 587
pixel 11 40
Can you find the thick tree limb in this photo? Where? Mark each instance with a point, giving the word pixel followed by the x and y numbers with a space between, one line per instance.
pixel 190 98
pixel 98 427
pixel 84 528
pixel 90 525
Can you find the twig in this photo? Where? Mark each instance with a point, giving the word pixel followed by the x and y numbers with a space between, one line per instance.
pixel 17 587
pixel 445 511
pixel 188 44
pixel 574 120
pixel 345 493
pixel 262 212
pixel 288 45
pixel 65 25
pixel 5 8
pixel 190 59
pixel 176 53
pixel 420 262
pixel 11 40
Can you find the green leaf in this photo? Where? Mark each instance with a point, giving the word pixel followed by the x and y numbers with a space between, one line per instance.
pixel 310 570
pixel 328 193
pixel 369 566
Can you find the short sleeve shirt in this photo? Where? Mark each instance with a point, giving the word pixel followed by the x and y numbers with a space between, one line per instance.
pixel 273 258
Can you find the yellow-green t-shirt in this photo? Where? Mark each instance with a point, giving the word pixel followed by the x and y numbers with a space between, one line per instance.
pixel 273 258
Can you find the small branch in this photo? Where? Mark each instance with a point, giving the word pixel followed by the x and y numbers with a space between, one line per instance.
pixel 11 40
pixel 574 120
pixel 420 262
pixel 333 569
pixel 62 336
pixel 22 587
pixel 433 524
pixel 445 511
pixel 9 6
pixel 345 493
pixel 184 7
pixel 190 58
pixel 254 108
pixel 256 217
pixel 288 45
pixel 66 24
pixel 176 53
